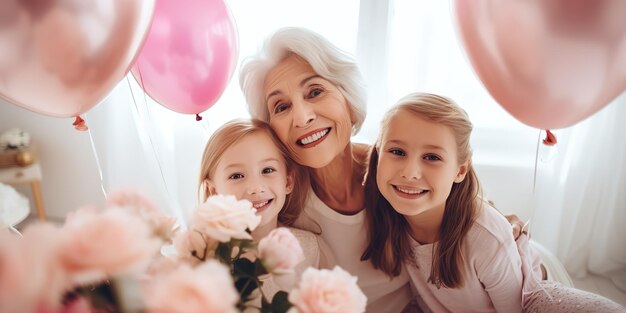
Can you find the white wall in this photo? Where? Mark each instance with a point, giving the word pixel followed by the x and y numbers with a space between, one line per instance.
pixel 69 169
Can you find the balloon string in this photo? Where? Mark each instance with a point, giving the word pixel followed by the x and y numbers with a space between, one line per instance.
pixel 535 200
pixel 147 132
pixel 205 126
pixel 536 161
pixel 95 154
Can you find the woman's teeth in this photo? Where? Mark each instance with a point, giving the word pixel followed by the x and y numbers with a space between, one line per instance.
pixel 315 137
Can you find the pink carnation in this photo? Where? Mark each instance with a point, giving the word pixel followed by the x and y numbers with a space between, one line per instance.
pixel 326 291
pixel 206 288
pixel 280 251
pixel 225 217
pixel 97 245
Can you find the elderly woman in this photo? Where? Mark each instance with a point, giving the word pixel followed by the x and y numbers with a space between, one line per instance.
pixel 313 96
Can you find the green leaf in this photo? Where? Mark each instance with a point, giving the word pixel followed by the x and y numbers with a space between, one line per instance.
pixel 245 286
pixel 266 307
pixel 259 269
pixel 222 253
pixel 280 302
pixel 244 268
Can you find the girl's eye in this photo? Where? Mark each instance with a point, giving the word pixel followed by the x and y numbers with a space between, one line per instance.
pixel 236 176
pixel 398 152
pixel 280 107
pixel 268 170
pixel 432 157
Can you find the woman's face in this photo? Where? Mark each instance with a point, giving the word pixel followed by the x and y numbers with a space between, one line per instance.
pixel 308 113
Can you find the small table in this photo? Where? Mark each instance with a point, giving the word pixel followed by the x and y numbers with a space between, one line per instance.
pixel 31 175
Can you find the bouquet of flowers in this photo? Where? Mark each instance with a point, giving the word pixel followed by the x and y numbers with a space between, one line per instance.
pixel 110 261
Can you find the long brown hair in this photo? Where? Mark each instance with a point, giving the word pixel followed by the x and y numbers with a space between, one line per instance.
pixel 229 134
pixel 388 230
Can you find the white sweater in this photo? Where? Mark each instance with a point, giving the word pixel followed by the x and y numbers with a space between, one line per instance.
pixel 346 236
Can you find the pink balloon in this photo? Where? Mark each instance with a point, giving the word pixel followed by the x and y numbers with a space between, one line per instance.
pixel 189 55
pixel 61 58
pixel 550 64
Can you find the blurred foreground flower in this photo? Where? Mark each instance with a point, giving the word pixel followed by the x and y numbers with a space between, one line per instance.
pixel 109 261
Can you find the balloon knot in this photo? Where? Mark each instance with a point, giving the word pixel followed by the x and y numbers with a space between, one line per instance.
pixel 550 139
pixel 79 124
pixel 198 117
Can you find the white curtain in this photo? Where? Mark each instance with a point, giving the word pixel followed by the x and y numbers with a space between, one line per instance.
pixel 578 207
pixel 581 196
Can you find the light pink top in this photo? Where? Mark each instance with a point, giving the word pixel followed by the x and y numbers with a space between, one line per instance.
pixel 492 270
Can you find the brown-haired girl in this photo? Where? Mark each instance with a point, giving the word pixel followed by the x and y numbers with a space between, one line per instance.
pixel 425 211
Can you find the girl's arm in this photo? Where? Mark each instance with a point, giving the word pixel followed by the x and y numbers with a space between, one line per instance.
pixel 498 267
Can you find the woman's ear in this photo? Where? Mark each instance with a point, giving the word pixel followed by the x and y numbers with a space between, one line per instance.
pixel 290 182
pixel 460 175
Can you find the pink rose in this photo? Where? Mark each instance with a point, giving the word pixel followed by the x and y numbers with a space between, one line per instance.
pixel 161 265
pixel 224 218
pixel 280 251
pixel 193 247
pixel 162 226
pixel 206 288
pixel 30 273
pixel 97 245
pixel 326 291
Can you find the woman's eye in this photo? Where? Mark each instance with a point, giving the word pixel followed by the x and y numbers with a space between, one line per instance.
pixel 268 170
pixel 432 157
pixel 236 176
pixel 315 92
pixel 397 152
pixel 281 107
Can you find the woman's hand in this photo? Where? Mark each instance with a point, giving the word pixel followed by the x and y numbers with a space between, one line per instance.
pixel 517 224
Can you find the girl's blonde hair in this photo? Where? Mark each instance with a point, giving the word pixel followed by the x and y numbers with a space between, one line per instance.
pixel 389 242
pixel 229 134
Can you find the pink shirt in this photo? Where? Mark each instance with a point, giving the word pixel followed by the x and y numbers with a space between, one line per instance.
pixel 492 270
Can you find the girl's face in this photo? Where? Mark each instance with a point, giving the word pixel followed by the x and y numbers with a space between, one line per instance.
pixel 417 164
pixel 253 169
pixel 308 113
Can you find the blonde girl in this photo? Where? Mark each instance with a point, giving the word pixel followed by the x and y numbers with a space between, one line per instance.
pixel 243 158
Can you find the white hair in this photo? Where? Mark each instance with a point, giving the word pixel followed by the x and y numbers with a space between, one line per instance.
pixel 328 61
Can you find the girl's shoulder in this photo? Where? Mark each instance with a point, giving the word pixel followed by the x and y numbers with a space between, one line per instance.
pixel 316 252
pixel 303 235
pixel 490 226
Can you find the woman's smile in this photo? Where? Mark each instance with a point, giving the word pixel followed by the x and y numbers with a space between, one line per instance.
pixel 313 138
